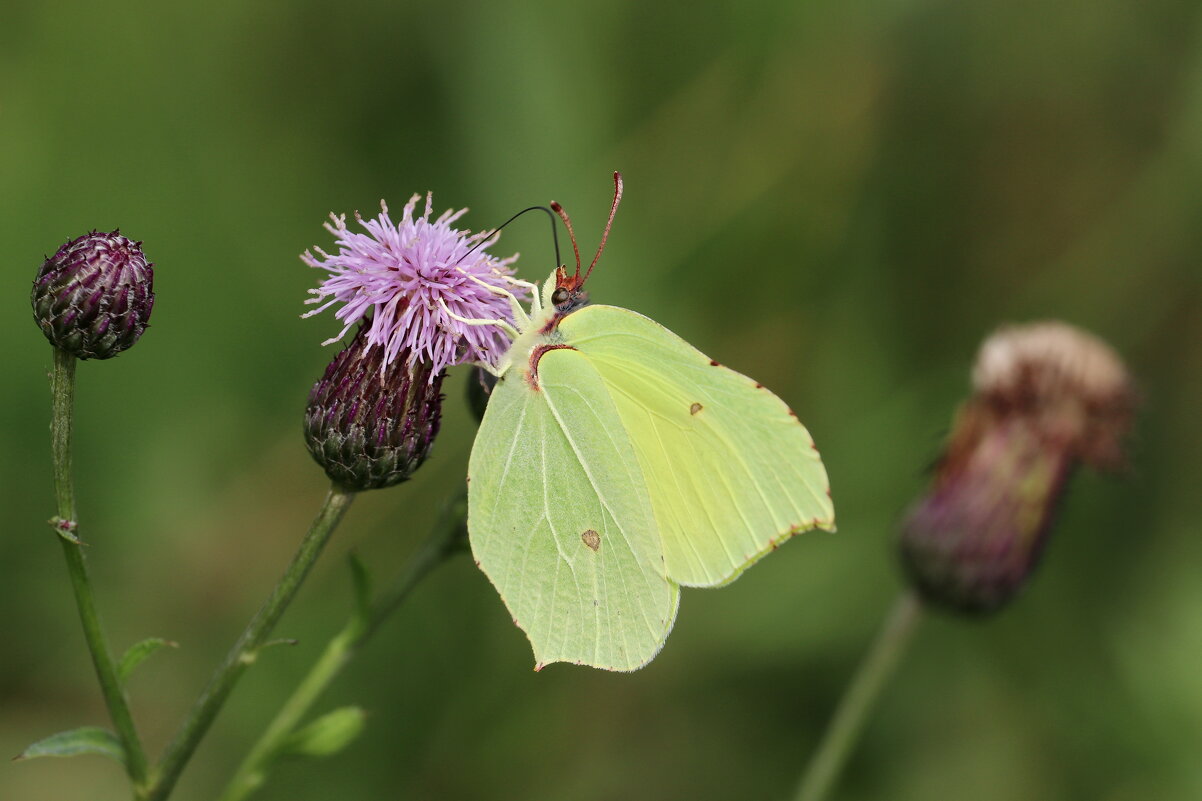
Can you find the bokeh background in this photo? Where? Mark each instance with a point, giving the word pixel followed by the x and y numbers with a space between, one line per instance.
pixel 838 198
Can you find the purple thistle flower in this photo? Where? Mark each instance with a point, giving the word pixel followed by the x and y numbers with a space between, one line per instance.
pixel 407 275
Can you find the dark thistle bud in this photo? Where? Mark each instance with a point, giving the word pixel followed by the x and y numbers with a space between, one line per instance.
pixel 1046 398
pixel 370 425
pixel 93 297
pixel 480 384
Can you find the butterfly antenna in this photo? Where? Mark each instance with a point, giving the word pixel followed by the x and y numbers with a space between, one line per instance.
pixel 554 232
pixel 567 222
pixel 613 209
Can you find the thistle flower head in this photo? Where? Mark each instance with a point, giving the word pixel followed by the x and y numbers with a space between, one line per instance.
pixel 370 424
pixel 94 296
pixel 1047 398
pixel 414 278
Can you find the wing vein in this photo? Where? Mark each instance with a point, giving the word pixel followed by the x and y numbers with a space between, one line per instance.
pixel 597 490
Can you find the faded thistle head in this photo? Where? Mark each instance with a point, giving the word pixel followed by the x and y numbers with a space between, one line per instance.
pixel 1047 397
pixel 94 296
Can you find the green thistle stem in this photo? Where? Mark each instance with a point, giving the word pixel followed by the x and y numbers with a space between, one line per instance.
pixel 246 649
pixel 857 701
pixel 62 389
pixel 441 543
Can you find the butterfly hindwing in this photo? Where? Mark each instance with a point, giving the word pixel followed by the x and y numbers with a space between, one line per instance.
pixel 561 520
pixel 730 470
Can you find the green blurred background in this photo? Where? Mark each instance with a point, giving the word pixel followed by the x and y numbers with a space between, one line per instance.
pixel 838 198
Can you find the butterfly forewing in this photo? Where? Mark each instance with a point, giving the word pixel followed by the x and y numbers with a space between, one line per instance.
pixel 561 521
pixel 729 468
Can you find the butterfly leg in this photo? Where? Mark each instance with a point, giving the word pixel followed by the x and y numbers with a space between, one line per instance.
pixel 515 306
pixel 509 279
pixel 504 325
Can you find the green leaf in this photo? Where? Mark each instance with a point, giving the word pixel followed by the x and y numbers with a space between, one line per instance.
pixel 327 735
pixel 137 652
pixel 84 740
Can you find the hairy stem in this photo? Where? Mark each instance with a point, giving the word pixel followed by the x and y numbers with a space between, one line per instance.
pixel 62 388
pixel 441 543
pixel 845 727
pixel 246 649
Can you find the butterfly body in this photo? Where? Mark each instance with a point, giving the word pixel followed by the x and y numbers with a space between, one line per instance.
pixel 616 463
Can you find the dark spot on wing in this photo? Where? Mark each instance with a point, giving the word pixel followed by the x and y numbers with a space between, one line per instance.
pixel 592 539
pixel 758 385
pixel 714 363
pixel 695 407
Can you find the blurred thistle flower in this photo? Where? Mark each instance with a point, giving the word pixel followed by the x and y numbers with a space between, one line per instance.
pixel 1046 398
pixel 93 297
pixel 370 424
pixel 408 275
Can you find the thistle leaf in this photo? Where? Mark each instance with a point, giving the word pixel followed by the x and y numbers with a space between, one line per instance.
pixel 84 740
pixel 137 652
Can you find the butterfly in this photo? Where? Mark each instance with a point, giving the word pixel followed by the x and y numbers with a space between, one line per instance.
pixel 616 463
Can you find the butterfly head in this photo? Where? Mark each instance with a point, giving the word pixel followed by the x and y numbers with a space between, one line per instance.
pixel 569 293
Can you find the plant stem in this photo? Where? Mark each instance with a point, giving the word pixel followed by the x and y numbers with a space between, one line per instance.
pixel 844 729
pixel 62 388
pixel 441 543
pixel 246 649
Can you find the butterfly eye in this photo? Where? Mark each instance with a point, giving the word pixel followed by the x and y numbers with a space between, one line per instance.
pixel 560 295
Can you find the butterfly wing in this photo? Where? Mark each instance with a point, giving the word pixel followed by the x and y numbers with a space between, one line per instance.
pixel 561 522
pixel 730 469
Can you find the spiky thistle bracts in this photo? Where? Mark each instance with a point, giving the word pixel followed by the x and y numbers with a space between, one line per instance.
pixel 94 296
pixel 369 424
